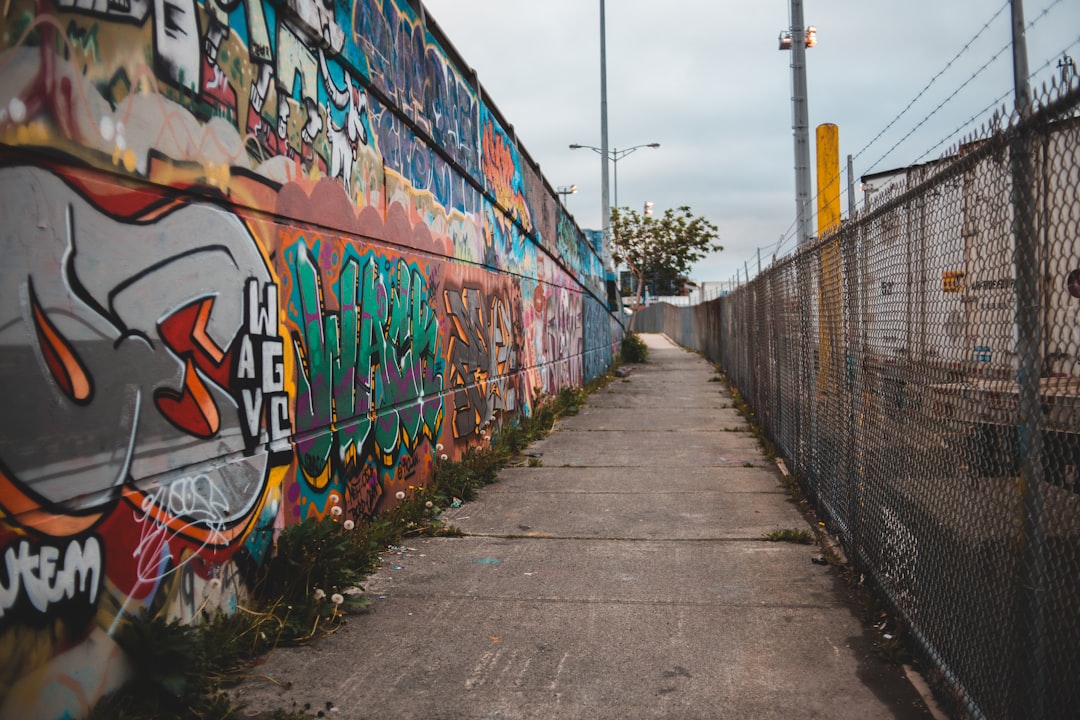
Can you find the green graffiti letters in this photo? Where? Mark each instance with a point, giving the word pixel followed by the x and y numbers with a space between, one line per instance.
pixel 370 376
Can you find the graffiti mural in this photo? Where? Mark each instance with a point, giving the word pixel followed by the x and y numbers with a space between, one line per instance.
pixel 597 336
pixel 141 339
pixel 175 317
pixel 369 372
pixel 483 355
pixel 409 65
pixel 502 171
pixel 260 260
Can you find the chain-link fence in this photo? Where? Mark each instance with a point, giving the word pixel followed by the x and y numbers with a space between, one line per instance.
pixel 920 370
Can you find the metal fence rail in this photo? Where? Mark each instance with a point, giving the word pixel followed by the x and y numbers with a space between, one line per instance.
pixel 920 370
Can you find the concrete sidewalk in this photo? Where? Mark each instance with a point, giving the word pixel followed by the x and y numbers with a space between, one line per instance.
pixel 625 578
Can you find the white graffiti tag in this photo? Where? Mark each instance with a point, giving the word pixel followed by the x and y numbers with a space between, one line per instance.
pixel 46 578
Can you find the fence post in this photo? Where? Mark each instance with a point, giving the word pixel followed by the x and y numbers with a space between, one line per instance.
pixel 1032 700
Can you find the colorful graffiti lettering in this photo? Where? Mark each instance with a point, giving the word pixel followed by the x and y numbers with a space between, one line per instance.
pixel 483 358
pixel 409 66
pixel 370 375
pixel 47 575
pixel 563 336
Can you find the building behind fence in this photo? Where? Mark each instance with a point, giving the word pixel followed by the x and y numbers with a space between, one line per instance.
pixel 920 370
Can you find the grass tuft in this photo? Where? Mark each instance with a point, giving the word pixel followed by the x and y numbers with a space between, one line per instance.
pixel 801 536
pixel 634 349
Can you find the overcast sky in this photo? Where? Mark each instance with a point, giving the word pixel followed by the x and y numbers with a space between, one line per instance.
pixel 705 79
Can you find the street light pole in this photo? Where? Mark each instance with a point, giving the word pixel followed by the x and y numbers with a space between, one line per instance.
pixel 614 156
pixel 605 200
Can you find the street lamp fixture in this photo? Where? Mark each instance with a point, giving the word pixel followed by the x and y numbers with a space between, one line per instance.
pixel 811 38
pixel 565 190
pixel 615 156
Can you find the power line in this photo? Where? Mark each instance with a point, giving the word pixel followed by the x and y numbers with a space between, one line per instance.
pixel 788 236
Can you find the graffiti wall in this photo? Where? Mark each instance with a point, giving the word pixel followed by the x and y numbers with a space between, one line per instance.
pixel 260 259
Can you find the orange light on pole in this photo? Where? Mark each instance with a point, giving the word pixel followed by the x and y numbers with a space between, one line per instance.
pixel 810 38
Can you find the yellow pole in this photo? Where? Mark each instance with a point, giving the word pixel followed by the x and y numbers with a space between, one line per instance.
pixel 830 296
pixel 828 178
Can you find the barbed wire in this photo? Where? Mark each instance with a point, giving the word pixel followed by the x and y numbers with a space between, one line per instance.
pixel 963 50
pixel 963 85
pixel 997 102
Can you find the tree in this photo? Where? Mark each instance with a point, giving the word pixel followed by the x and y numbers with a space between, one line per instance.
pixel 663 248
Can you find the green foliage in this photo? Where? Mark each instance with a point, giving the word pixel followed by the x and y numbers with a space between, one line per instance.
pixel 313 555
pixel 168 661
pixel 801 536
pixel 177 674
pixel 660 249
pixel 461 479
pixel 634 349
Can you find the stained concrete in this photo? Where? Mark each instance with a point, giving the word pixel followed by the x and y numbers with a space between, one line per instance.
pixel 626 577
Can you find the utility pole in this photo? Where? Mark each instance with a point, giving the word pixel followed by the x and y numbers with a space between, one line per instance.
pixel 800 123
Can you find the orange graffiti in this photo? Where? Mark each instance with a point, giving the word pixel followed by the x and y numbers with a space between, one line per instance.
pixel 63 363
pixel 499 170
